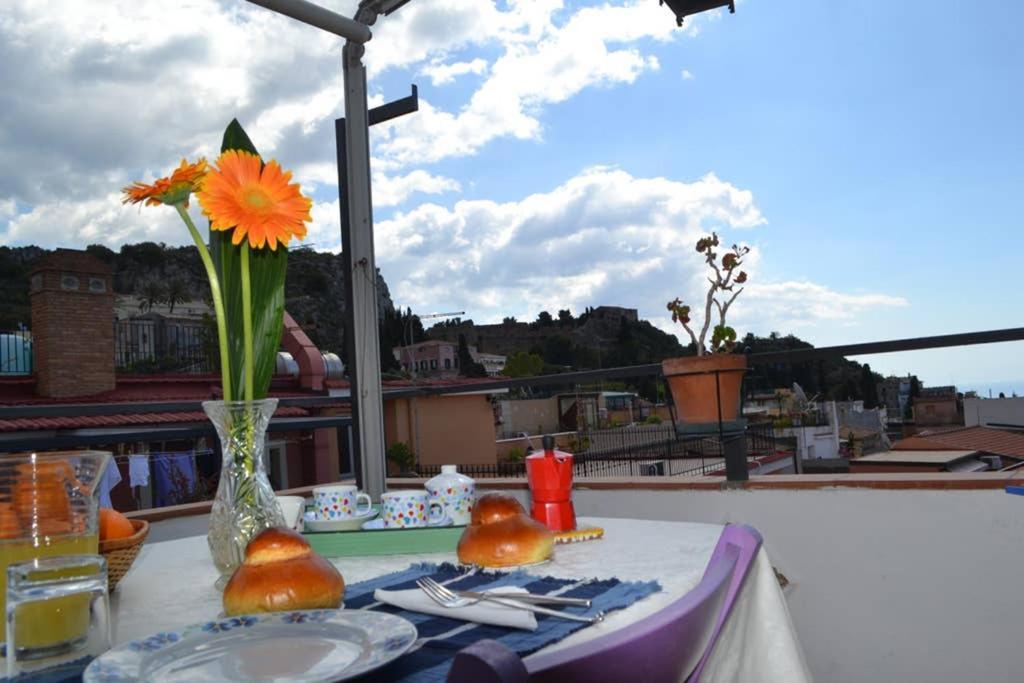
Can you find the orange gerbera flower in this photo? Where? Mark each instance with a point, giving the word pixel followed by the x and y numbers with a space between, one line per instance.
pixel 256 202
pixel 171 190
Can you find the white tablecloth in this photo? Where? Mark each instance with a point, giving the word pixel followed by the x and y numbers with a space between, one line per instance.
pixel 171 585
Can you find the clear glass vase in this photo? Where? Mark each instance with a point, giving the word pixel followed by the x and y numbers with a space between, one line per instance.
pixel 245 503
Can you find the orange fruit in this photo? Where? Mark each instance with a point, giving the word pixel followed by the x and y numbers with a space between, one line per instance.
pixel 114 525
pixel 10 526
pixel 40 497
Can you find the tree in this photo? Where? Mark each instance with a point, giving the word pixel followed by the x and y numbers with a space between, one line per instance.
pixel 151 293
pixel 102 253
pixel 565 316
pixel 915 391
pixel 522 364
pixel 544 319
pixel 176 293
pixel 467 366
pixel 868 390
pixel 402 455
pixel 508 320
pixel 557 350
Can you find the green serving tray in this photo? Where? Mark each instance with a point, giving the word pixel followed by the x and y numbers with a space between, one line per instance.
pixel 386 541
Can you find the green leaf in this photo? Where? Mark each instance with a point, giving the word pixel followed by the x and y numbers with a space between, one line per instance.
pixel 267 273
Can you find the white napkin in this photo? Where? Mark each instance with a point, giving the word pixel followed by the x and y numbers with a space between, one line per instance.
pixel 484 612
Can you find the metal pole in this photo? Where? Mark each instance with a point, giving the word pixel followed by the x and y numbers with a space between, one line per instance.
pixel 321 18
pixel 361 313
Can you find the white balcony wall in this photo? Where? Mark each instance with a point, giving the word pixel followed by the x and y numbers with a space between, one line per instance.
pixel 886 585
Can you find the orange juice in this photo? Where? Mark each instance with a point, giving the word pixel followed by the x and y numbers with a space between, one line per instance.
pixel 58 620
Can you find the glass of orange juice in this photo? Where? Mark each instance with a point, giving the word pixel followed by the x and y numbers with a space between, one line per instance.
pixel 57 611
pixel 49 508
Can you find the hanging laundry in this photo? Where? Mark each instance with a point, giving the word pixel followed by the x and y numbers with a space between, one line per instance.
pixel 111 478
pixel 138 469
pixel 174 478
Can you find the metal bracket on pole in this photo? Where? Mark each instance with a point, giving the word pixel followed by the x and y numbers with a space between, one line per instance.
pixel 367 437
pixel 321 18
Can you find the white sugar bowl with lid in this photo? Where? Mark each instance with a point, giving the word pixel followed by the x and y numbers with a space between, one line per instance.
pixel 455 492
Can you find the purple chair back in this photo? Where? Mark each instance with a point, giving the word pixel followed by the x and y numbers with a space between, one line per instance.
pixel 671 645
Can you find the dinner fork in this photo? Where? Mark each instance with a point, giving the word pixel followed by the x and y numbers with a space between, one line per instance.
pixel 530 598
pixel 446 598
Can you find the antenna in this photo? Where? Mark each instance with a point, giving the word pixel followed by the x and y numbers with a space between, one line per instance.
pixel 800 395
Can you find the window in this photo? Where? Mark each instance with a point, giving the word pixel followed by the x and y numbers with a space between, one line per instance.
pixel 433 364
pixel 447 363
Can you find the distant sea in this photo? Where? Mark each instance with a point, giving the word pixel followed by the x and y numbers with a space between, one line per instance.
pixel 1007 387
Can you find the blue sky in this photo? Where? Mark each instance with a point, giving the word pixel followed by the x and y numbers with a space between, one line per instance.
pixel 867 151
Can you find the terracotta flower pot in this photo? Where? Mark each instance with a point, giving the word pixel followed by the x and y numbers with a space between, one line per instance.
pixel 691 379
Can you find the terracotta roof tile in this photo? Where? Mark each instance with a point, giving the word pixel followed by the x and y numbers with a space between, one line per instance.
pixel 986 439
pixel 94 421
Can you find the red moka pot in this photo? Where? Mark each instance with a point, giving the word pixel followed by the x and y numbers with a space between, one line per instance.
pixel 550 477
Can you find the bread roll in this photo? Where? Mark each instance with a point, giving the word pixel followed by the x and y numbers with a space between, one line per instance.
pixel 501 534
pixel 282 573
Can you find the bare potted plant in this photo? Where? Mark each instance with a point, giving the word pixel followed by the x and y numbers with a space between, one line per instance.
pixel 706 387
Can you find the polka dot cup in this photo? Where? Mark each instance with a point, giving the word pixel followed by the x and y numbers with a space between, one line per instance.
pixel 340 502
pixel 409 510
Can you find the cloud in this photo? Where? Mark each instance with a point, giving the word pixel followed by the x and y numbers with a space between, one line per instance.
pixel 442 74
pixel 793 305
pixel 95 96
pixel 394 190
pixel 101 220
pixel 602 237
pixel 687 75
pixel 545 64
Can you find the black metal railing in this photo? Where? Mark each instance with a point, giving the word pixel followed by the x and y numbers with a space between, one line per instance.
pixel 15 353
pixel 630 453
pixel 663 452
pixel 648 372
pixel 146 346
pixel 478 470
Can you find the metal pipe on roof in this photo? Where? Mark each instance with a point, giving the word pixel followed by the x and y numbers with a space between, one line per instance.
pixel 321 18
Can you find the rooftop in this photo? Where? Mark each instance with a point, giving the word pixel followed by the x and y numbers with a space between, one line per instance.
pixel 987 439
pixel 918 457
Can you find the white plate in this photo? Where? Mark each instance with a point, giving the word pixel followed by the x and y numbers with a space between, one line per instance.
pixel 315 646
pixel 352 524
pixel 378 525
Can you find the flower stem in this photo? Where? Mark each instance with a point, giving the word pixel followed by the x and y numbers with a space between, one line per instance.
pixel 250 369
pixel 218 300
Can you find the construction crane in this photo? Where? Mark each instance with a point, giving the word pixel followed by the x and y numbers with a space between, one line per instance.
pixel 440 315
pixel 427 316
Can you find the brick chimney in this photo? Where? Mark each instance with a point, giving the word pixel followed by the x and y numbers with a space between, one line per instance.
pixel 72 299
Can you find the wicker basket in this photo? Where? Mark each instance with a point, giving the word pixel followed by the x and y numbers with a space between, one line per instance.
pixel 121 552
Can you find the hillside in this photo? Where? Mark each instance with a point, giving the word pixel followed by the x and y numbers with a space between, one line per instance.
pixel 314 287
pixel 606 337
pixel 599 338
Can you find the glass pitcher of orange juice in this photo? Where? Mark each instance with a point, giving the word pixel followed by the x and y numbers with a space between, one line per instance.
pixel 49 507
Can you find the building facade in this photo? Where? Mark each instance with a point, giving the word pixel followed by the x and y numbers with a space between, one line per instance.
pixel 994 412
pixel 937 406
pixel 438 358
